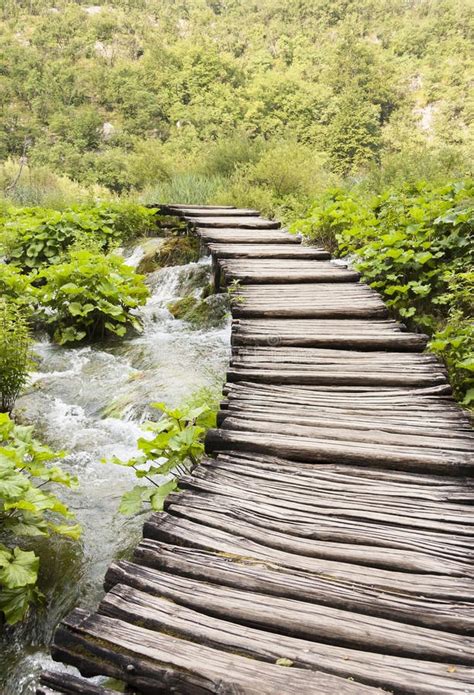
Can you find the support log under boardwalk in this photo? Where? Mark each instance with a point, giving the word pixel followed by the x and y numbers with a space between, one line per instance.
pixel 327 548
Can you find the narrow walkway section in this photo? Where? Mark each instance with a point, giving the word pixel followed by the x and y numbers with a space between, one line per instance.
pixel 326 548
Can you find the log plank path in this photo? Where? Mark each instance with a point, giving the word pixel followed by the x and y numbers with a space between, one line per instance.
pixel 325 547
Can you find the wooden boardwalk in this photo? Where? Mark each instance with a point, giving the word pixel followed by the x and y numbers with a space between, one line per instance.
pixel 326 548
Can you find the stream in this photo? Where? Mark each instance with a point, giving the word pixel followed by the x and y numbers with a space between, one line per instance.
pixel 91 402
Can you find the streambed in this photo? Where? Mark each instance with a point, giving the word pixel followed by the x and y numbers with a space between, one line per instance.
pixel 91 402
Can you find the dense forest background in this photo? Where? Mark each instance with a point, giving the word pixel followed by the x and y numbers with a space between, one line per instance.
pixel 264 103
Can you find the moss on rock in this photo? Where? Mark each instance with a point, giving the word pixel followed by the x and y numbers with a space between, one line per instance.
pixel 210 312
pixel 173 250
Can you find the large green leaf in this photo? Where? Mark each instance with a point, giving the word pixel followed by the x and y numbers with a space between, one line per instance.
pixel 12 485
pixel 21 570
pixel 132 500
pixel 14 603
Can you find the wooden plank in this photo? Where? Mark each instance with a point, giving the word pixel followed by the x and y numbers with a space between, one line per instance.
pixel 55 682
pixel 267 251
pixel 180 531
pixel 259 374
pixel 314 430
pixel 341 534
pixel 413 677
pixel 345 510
pixel 307 300
pixel 308 621
pixel 314 449
pixel 255 525
pixel 152 662
pixel 226 222
pixel 247 236
pixel 284 271
pixel 360 334
pixel 338 477
pixel 267 577
pixel 189 211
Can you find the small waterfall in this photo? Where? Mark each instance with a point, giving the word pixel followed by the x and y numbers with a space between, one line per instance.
pixel 91 402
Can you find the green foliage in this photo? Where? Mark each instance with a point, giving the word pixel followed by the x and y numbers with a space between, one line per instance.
pixel 28 509
pixel 191 188
pixel 454 342
pixel 37 237
pixel 414 245
pixel 14 285
pixel 96 99
pixel 90 297
pixel 15 353
pixel 174 447
pixel 225 156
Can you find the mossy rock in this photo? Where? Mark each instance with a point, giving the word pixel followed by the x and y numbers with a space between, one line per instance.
pixel 174 250
pixel 210 312
pixel 151 251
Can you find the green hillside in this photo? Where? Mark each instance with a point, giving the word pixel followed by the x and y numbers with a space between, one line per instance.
pixel 130 95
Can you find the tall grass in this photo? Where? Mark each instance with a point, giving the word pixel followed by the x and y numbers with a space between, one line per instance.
pixel 189 188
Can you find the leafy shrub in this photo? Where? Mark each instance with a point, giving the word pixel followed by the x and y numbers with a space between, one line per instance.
pixel 455 344
pixel 223 158
pixel 455 341
pixel 27 509
pixel 14 285
pixel 89 297
pixel 15 353
pixel 415 246
pixel 174 449
pixel 38 236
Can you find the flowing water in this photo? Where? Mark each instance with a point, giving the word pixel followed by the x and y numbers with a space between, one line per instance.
pixel 91 402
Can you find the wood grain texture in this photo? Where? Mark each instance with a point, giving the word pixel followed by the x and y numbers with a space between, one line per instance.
pixel 411 675
pixel 154 662
pixel 60 682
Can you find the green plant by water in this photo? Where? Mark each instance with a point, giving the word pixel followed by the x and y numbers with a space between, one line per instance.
pixel 89 297
pixel 414 244
pixel 15 352
pixel 29 508
pixel 175 446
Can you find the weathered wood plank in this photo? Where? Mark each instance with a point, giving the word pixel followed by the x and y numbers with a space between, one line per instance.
pixel 267 251
pixel 285 271
pixel 346 334
pixel 314 622
pixel 155 663
pixel 267 577
pixel 335 478
pixel 411 676
pixel 180 531
pixel 333 532
pixel 256 223
pixel 190 211
pixel 313 449
pixel 55 682
pixel 246 236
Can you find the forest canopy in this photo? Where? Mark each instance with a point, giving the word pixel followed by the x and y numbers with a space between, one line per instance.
pixel 127 95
